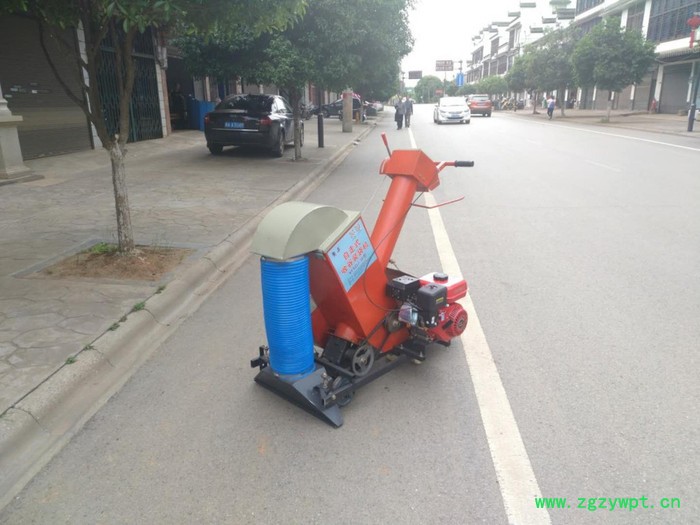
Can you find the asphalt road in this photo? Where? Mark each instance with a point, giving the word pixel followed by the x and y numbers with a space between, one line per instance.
pixel 582 251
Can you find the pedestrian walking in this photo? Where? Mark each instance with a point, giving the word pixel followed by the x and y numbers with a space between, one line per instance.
pixel 177 107
pixel 400 107
pixel 551 102
pixel 408 111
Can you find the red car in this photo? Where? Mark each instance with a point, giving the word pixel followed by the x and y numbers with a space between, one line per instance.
pixel 480 105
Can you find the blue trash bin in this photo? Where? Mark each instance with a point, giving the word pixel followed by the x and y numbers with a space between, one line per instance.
pixel 192 113
pixel 204 108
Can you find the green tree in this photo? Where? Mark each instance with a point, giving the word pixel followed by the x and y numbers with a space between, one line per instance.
pixel 612 58
pixel 493 85
pixel 219 55
pixel 521 77
pixel 467 89
pixel 427 87
pixel 119 22
pixel 552 61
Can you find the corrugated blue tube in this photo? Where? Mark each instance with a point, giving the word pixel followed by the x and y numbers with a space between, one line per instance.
pixel 287 312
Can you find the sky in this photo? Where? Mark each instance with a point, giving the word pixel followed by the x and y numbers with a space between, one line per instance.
pixel 443 29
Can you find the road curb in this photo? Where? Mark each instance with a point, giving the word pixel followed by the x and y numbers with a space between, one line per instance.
pixel 38 426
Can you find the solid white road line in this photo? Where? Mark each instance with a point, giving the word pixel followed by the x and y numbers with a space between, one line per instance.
pixel 617 135
pixel 516 478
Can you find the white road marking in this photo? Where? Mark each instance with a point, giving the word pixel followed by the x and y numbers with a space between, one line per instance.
pixel 516 479
pixel 603 166
pixel 634 138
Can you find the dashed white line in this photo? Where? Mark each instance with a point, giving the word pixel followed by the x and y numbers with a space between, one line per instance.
pixel 605 166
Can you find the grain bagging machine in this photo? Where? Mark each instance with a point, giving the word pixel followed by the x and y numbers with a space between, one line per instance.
pixel 365 318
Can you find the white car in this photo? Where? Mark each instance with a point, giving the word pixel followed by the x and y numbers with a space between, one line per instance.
pixel 452 109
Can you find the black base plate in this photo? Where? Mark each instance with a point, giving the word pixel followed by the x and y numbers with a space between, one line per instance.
pixel 303 393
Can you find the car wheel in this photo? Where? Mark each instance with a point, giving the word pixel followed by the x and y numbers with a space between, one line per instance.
pixel 326 114
pixel 468 121
pixel 278 149
pixel 489 114
pixel 215 149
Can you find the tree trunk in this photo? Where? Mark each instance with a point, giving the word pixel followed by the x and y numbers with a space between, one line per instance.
pixel 535 102
pixel 607 118
pixel 295 99
pixel 125 232
pixel 562 103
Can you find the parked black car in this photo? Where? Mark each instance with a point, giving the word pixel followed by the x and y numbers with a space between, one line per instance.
pixel 335 109
pixel 251 120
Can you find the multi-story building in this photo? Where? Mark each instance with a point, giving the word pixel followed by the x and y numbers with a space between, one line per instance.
pixel 497 45
pixel 668 87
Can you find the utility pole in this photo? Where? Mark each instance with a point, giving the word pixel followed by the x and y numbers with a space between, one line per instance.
pixel 694 96
pixel 694 23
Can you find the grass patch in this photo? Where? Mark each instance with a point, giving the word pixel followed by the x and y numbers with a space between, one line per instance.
pixel 138 306
pixel 71 360
pixel 114 327
pixel 102 248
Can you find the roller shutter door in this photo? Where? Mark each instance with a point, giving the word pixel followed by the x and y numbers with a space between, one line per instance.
pixel 674 90
pixel 53 124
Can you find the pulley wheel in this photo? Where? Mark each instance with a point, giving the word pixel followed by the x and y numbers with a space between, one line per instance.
pixel 362 360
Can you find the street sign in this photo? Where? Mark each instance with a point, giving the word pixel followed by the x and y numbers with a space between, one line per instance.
pixel 415 75
pixel 444 65
pixel 459 79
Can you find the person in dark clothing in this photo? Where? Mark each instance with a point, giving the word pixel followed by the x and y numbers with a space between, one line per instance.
pixel 400 107
pixel 408 112
pixel 177 107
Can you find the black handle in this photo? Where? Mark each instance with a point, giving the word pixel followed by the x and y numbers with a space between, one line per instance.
pixel 464 164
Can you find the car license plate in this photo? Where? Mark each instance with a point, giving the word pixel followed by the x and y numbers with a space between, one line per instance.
pixel 234 125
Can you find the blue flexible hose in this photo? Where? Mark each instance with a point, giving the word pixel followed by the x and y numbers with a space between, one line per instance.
pixel 287 313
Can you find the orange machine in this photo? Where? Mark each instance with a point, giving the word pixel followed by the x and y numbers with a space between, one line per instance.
pixel 365 318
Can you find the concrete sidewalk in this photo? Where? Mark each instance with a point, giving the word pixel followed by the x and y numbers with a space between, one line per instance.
pixel 59 360
pixel 637 120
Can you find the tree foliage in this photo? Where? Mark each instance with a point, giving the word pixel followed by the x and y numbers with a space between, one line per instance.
pixel 493 85
pixel 335 45
pixel 426 88
pixel 551 67
pixel 340 44
pixel 611 57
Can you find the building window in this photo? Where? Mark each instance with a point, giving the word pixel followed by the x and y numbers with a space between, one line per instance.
pixel 635 17
pixel 669 18
pixel 584 5
pixel 494 47
pixel 586 27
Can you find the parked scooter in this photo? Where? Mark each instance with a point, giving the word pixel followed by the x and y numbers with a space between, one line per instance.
pixel 308 110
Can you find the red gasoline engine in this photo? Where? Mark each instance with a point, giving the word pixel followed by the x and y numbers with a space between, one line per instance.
pixel 336 317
